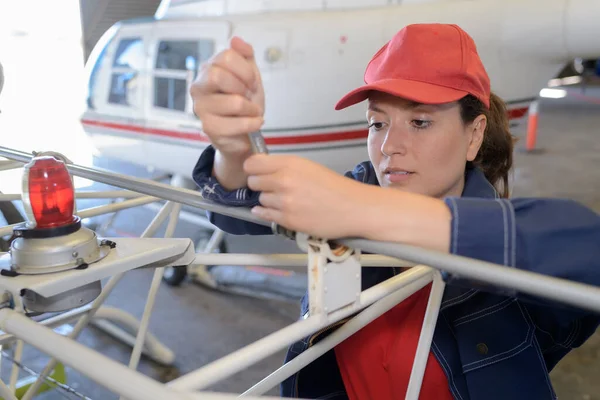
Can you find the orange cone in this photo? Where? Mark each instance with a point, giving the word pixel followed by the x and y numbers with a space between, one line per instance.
pixel 532 126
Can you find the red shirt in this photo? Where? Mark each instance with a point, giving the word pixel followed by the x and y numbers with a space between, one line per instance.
pixel 376 362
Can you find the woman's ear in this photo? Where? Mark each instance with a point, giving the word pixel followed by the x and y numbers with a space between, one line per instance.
pixel 476 130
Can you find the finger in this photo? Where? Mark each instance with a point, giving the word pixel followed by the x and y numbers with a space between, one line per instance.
pixel 227 105
pixel 268 214
pixel 216 79
pixel 261 164
pixel 271 200
pixel 263 183
pixel 214 125
pixel 242 67
pixel 241 46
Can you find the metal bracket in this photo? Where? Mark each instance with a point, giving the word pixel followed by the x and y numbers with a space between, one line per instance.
pixel 334 277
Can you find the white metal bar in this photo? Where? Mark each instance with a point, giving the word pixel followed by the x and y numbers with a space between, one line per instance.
pixel 14 373
pixel 288 260
pixel 108 194
pixel 6 165
pixel 126 331
pixel 146 186
pixel 426 336
pixel 5 392
pixel 101 369
pixel 187 216
pixel 95 211
pixel 52 322
pixel 18 353
pixel 576 294
pixel 213 243
pixel 154 286
pixel 249 355
pixel 82 323
pixel 562 290
pixel 339 335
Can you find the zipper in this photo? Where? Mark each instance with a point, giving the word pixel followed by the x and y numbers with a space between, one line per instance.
pixel 311 340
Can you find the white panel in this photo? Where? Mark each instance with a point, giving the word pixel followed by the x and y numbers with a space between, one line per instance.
pixel 540 36
pixel 201 9
pixel 245 6
pixel 582 28
pixel 349 4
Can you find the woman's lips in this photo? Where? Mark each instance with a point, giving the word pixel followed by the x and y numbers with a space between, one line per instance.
pixel 397 175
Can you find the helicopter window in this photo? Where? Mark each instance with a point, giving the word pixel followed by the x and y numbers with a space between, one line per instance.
pixel 128 60
pixel 173 55
pixel 129 54
pixel 170 93
pixel 176 67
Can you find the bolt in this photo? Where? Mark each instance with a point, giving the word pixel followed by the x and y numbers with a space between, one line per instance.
pixel 75 254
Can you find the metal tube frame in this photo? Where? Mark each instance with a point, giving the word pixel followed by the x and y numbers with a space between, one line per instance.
pixel 328 303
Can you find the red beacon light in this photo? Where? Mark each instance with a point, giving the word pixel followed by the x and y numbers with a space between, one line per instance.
pixel 53 239
pixel 49 195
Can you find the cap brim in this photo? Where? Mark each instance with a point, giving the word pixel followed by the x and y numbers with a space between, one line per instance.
pixel 419 92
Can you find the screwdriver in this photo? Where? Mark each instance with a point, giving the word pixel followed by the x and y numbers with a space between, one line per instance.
pixel 257 141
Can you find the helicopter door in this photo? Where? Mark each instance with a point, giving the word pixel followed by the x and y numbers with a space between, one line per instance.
pixel 125 67
pixel 177 50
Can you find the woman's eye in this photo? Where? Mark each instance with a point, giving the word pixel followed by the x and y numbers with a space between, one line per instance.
pixel 420 123
pixel 376 125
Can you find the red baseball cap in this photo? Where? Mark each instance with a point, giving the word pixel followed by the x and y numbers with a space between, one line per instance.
pixel 425 63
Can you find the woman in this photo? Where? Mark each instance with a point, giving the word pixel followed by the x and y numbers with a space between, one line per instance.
pixel 440 138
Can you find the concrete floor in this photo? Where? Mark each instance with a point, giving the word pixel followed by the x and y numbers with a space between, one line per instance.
pixel 201 325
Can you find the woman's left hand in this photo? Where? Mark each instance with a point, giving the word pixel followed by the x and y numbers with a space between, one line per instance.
pixel 304 196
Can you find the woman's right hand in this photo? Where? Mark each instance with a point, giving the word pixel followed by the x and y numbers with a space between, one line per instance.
pixel 229 99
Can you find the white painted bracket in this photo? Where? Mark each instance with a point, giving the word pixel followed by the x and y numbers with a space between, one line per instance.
pixel 334 277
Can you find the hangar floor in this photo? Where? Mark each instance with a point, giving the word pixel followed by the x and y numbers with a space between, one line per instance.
pixel 202 325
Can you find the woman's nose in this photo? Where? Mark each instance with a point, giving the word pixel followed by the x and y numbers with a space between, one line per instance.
pixel 395 142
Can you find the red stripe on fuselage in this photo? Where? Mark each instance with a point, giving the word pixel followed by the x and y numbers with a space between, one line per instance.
pixel 281 140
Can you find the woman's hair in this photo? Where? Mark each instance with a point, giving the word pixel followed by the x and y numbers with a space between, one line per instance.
pixel 495 156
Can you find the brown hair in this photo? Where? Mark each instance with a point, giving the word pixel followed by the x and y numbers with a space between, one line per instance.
pixel 495 156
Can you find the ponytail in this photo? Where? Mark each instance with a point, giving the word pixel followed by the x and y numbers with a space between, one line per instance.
pixel 495 157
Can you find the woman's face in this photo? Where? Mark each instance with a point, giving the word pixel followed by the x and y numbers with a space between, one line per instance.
pixel 421 148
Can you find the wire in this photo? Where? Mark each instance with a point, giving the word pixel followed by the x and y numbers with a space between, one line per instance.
pixel 50 381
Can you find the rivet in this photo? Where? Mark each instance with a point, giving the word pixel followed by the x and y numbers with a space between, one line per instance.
pixel 75 254
pixel 482 348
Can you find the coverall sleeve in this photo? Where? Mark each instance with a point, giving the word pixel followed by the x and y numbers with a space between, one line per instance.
pixel 243 197
pixel 555 237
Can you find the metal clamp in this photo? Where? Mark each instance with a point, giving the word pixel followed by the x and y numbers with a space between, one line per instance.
pixel 334 277
pixel 55 154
